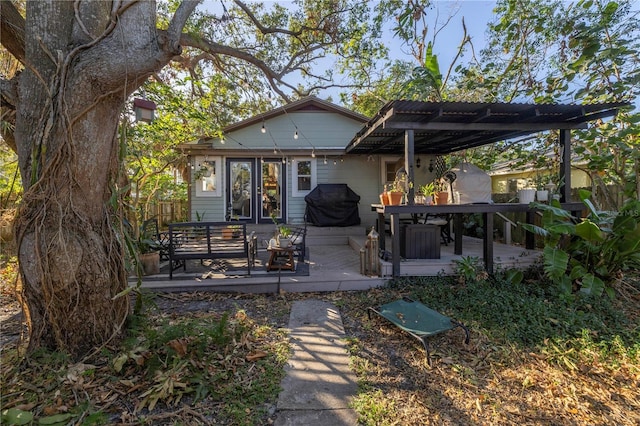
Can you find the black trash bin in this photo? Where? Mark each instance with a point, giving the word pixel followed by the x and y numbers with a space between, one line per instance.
pixel 332 204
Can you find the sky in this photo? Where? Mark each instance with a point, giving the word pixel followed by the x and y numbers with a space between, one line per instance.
pixel 476 13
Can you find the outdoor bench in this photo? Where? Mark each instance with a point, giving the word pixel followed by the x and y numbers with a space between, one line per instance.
pixel 209 240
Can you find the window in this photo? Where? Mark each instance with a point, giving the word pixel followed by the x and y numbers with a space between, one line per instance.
pixel 304 176
pixel 389 165
pixel 206 175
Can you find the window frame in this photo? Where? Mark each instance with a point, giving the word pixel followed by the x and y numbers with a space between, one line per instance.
pixel 295 191
pixel 217 177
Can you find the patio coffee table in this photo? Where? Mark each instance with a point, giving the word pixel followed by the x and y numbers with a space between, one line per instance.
pixel 418 320
pixel 281 258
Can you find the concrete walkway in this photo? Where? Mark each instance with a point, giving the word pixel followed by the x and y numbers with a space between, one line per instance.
pixel 318 385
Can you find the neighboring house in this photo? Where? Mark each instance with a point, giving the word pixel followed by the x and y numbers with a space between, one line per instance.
pixel 267 164
pixel 505 179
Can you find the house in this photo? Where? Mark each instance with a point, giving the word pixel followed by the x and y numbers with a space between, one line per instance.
pixel 507 179
pixel 264 166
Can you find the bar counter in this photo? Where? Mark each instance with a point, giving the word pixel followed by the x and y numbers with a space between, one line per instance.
pixel 457 210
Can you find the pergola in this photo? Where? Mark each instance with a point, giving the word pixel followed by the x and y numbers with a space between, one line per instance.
pixel 440 128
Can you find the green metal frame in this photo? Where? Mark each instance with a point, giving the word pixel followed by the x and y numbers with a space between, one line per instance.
pixel 418 320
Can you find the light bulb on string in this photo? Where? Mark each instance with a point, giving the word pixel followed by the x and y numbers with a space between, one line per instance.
pixel 313 153
pixel 325 159
pixel 263 129
pixel 295 135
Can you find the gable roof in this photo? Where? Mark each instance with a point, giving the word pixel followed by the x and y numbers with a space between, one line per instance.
pixel 446 127
pixel 309 103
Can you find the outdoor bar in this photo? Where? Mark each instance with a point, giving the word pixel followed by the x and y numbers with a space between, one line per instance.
pixel 457 210
pixel 408 128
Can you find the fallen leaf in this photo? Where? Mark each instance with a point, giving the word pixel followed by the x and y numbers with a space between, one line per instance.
pixel 179 345
pixel 256 355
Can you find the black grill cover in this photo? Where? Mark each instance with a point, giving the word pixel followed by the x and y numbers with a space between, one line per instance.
pixel 332 204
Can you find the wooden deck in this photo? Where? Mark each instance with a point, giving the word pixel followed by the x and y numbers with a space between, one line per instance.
pixel 333 264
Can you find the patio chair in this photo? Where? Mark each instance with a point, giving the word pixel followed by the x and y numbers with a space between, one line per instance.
pixel 418 320
pixel 151 231
pixel 299 241
pixel 444 222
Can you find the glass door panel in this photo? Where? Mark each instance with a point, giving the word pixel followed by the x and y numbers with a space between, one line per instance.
pixel 271 185
pixel 240 192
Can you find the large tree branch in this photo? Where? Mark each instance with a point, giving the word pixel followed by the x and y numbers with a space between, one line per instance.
pixel 12 30
pixel 9 92
pixel 274 78
pixel 8 102
pixel 324 24
pixel 174 31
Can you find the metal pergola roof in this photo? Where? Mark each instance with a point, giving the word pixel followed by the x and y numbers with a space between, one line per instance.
pixel 445 127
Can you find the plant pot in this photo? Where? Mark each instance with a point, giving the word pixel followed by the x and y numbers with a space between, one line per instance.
pixel 227 234
pixel 428 200
pixel 384 199
pixel 542 195
pixel 441 198
pixel 395 198
pixel 150 263
pixel 526 196
pixel 284 242
pixel 419 199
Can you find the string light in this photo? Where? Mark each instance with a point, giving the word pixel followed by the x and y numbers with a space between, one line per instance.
pixel 295 135
pixel 325 159
pixel 313 153
pixel 284 160
pixel 263 129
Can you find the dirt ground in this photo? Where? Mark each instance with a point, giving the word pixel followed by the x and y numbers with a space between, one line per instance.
pixel 482 383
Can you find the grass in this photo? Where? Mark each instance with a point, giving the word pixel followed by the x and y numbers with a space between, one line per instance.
pixel 192 368
pixel 533 359
pixel 207 358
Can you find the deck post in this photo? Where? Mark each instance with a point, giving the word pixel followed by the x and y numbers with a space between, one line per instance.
pixel 565 166
pixel 408 164
pixel 487 246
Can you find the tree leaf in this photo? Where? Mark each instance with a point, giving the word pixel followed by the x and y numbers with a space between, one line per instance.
pixel 15 416
pixel 589 231
pixel 555 263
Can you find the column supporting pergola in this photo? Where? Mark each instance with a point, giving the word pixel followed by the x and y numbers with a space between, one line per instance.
pixel 565 165
pixel 408 164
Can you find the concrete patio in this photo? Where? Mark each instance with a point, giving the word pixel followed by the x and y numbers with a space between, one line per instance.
pixel 332 264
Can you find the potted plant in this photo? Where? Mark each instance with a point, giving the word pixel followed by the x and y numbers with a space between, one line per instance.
pixel 284 236
pixel 542 193
pixel 441 194
pixel 384 196
pixel 526 195
pixel 395 194
pixel 231 231
pixel 428 191
pixel 202 172
pixel 148 255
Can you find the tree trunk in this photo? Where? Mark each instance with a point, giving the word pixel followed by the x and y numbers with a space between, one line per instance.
pixel 83 65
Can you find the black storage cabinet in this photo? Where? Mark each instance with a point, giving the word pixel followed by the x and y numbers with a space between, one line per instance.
pixel 332 204
pixel 420 241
